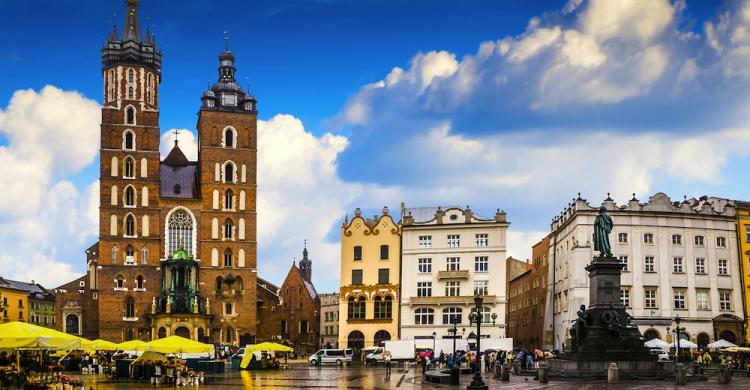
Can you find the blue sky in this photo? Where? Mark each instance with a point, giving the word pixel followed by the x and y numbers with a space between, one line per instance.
pixel 515 105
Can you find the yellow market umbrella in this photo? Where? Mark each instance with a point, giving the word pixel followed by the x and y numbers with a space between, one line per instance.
pixel 132 345
pixel 150 356
pixel 18 334
pixel 177 344
pixel 98 345
pixel 270 347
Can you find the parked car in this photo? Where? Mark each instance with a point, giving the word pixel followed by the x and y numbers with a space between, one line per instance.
pixel 660 354
pixel 332 356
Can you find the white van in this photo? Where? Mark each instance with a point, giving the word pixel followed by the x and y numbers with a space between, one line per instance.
pixel 329 356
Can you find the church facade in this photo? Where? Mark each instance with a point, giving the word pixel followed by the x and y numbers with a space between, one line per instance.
pixel 177 238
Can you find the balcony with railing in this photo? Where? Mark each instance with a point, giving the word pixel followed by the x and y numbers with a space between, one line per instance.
pixel 454 300
pixel 455 274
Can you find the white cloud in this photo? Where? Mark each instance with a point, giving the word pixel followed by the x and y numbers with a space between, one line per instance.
pixel 627 19
pixel 186 141
pixel 519 242
pixel 51 135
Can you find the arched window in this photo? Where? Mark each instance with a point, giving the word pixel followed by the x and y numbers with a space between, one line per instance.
pixel 129 334
pixel 424 316
pixel 485 315
pixel 229 137
pixel 219 284
pixel 129 170
pixel 119 281
pixel 130 225
pixel 131 76
pixel 144 255
pixel 356 308
pixel 228 228
pixel 228 199
pixel 128 140
pixel 452 315
pixel 383 307
pixel 150 89
pixel 228 258
pixel 229 335
pixel 381 336
pixel 180 231
pixel 139 282
pixel 130 112
pixel 228 172
pixel 111 85
pixel 129 307
pixel 130 255
pixel 228 308
pixel 115 254
pixel 131 92
pixel 129 196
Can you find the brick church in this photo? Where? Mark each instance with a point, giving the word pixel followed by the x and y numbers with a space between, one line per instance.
pixel 177 238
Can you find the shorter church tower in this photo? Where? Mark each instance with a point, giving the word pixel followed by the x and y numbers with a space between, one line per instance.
pixel 305 266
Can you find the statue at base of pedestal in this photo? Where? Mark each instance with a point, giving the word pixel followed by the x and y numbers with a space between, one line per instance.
pixel 579 325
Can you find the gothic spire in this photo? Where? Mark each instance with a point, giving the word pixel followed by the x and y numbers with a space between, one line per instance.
pixel 132 28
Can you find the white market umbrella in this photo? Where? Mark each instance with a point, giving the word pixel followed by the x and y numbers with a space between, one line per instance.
pixel 721 343
pixel 684 344
pixel 658 343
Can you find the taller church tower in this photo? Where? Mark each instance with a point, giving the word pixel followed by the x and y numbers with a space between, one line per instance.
pixel 129 228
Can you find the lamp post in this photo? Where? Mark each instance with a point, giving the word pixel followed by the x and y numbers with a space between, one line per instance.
pixel 454 330
pixel 678 331
pixel 434 336
pixel 477 383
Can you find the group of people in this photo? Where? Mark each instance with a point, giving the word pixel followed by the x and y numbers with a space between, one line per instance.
pixel 491 358
pixel 266 361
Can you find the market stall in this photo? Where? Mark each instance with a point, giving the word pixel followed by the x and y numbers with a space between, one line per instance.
pixel 267 358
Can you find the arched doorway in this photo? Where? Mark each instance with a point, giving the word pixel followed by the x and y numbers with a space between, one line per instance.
pixel 201 335
pixel 381 336
pixel 356 339
pixel 162 332
pixel 72 324
pixel 728 335
pixel 182 332
pixel 129 334
pixel 702 341
pixel 651 334
pixel 144 334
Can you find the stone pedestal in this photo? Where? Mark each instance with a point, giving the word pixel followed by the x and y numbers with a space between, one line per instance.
pixel 613 375
pixel 543 372
pixel 505 372
pixel 681 375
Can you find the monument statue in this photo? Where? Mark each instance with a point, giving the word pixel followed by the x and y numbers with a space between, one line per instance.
pixel 602 228
pixel 612 321
pixel 579 324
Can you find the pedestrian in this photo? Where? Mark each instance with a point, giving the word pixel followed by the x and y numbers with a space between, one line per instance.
pixel 387 362
pixel 319 360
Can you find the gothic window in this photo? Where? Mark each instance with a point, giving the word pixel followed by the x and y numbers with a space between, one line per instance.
pixel 129 170
pixel 144 255
pixel 229 138
pixel 119 282
pixel 180 231
pixel 130 225
pixel 228 227
pixel 130 114
pixel 131 92
pixel 150 89
pixel 228 308
pixel 111 85
pixel 128 140
pixel 228 200
pixel 131 76
pixel 219 284
pixel 129 307
pixel 228 172
pixel 129 196
pixel 139 282
pixel 115 254
pixel 228 258
pixel 130 255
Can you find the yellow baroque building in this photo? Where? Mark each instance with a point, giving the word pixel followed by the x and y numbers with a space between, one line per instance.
pixel 370 269
pixel 743 243
pixel 14 303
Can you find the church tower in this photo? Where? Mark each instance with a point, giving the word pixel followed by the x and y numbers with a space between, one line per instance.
pixel 227 156
pixel 129 231
pixel 305 266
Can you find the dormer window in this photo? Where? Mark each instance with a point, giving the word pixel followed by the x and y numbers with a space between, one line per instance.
pixel 228 99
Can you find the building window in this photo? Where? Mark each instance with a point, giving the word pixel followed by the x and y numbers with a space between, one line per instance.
pixel 424 289
pixel 229 138
pixel 676 239
pixel 130 116
pixel 482 239
pixel 648 238
pixel 130 255
pixel 130 226
pixel 180 232
pixel 383 276
pixel 677 267
pixel 453 241
pixel 119 281
pixel 424 265
pixel 228 172
pixel 129 196
pixel 228 308
pixel 481 287
pixel 453 264
pixel 228 200
pixel 452 289
pixel 725 300
pixel 111 85
pixel 425 241
pixel 622 238
pixel 747 233
pixel 139 282
pixel 721 242
pixel 131 76
pixel 624 261
pixel 700 265
pixel 452 315
pixel 228 228
pixel 228 258
pixel 701 299
pixel 129 308
pixel 648 264
pixel 129 171
pixel 356 276
pixel 699 241
pixel 679 299
pixel 484 314
pixel 649 294
pixel 356 308
pixel 131 92
pixel 357 253
pixel 481 264
pixel 384 252
pixel 723 268
pixel 115 254
pixel 383 307
pixel 625 296
pixel 424 316
pixel 129 141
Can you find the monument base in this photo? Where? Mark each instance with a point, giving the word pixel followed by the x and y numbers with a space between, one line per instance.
pixel 629 369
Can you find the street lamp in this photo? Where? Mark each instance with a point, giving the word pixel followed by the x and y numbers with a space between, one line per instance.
pixel 494 317
pixel 454 330
pixel 434 336
pixel 678 331
pixel 477 383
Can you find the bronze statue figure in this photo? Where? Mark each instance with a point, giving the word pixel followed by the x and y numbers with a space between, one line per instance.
pixel 579 324
pixel 613 322
pixel 602 228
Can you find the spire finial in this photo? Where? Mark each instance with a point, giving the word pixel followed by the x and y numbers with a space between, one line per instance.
pixel 226 40
pixel 305 243
pixel 176 133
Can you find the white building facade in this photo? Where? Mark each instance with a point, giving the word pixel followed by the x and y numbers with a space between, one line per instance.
pixel 448 255
pixel 679 258
pixel 329 320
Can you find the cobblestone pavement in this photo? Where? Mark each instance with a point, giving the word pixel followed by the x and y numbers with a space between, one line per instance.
pixel 303 377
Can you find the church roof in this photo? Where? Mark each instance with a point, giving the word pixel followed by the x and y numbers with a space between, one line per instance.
pixel 175 157
pixel 178 176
